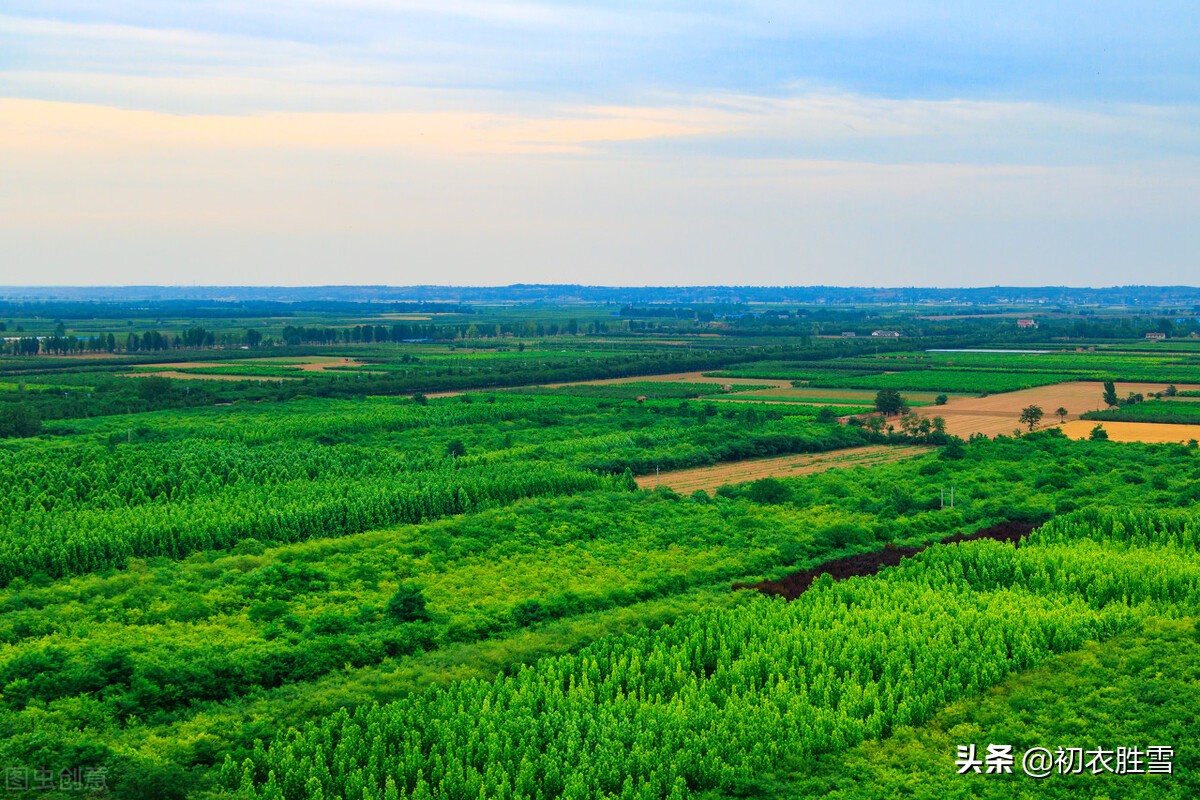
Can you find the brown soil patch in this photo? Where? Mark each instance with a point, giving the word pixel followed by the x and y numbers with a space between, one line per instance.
pixel 1149 432
pixel 794 585
pixel 313 365
pixel 676 377
pixel 1000 413
pixel 192 376
pixel 305 364
pixel 712 477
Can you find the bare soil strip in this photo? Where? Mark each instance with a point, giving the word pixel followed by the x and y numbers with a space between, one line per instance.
pixel 193 376
pixel 678 377
pixel 712 477
pixel 796 584
pixel 304 364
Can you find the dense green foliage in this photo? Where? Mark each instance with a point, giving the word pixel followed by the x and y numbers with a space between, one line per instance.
pixel 1181 412
pixel 198 575
pixel 291 617
pixel 718 698
pixel 945 380
pixel 212 478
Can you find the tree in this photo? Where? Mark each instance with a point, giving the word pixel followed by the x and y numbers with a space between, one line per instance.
pixel 1061 413
pixel 154 387
pixel 941 400
pixel 769 491
pixel 19 421
pixel 407 605
pixel 889 402
pixel 1171 391
pixel 954 450
pixel 1098 434
pixel 1110 394
pixel 1031 415
pixel 455 448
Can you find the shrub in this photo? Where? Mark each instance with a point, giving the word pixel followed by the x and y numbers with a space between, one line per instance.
pixel 407 605
pixel 769 491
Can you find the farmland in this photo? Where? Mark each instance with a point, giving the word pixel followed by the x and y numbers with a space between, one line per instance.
pixel 1000 413
pixel 517 551
pixel 713 478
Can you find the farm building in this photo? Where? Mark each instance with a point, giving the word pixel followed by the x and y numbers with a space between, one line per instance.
pixel 1156 337
pixel 886 334
pixel 1027 323
pixel 848 334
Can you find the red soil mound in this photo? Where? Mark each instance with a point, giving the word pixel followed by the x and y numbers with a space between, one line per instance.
pixel 794 585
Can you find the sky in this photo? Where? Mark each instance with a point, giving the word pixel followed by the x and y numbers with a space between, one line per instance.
pixel 488 142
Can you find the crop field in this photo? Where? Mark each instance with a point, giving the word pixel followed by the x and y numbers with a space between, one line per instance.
pixel 1135 431
pixel 1001 413
pixel 631 390
pixel 686 377
pixel 533 551
pixel 711 478
pixel 851 397
pixel 945 380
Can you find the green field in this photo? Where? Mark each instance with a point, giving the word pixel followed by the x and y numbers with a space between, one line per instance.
pixel 428 573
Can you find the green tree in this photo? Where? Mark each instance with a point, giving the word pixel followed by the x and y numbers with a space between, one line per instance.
pixel 1098 434
pixel 1061 413
pixel 19 421
pixel 407 605
pixel 941 400
pixel 1031 415
pixel 1110 394
pixel 889 402
pixel 769 491
pixel 455 448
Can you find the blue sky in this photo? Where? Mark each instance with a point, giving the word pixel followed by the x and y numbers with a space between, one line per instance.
pixel 413 141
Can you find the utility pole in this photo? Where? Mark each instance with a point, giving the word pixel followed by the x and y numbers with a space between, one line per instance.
pixel 655 476
pixel 942 495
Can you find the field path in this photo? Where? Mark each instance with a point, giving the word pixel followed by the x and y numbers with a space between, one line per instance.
pixel 711 477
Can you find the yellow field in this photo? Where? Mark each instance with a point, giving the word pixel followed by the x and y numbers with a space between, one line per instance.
pixel 1149 432
pixel 1000 413
pixel 708 478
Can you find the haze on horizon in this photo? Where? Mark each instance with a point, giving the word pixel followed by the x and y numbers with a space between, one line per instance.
pixel 466 142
